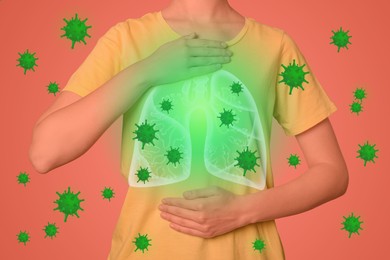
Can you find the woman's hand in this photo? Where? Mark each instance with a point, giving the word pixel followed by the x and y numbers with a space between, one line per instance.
pixel 185 58
pixel 205 212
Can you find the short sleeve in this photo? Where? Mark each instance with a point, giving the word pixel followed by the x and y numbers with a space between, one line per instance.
pixel 102 63
pixel 300 109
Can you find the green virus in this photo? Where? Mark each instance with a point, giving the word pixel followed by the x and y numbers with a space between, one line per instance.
pixel 367 152
pixel 23 178
pixel 360 94
pixel 293 76
pixel 356 107
pixel 23 237
pixel 247 160
pixel 227 117
pixel 258 245
pixel 236 88
pixel 142 242
pixel 27 61
pixel 143 174
pixel 340 38
pixel 53 88
pixel 51 230
pixel 145 133
pixel 351 224
pixel 75 30
pixel 108 193
pixel 68 203
pixel 173 155
pixel 166 105
pixel 293 160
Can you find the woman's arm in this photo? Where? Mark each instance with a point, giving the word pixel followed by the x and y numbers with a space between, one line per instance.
pixel 72 125
pixel 325 180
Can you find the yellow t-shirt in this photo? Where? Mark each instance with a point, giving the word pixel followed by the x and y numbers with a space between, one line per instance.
pixel 201 132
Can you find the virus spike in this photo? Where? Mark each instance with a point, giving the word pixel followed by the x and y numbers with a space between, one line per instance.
pixel 108 193
pixel 173 155
pixel 247 160
pixel 293 160
pixel 68 203
pixel 53 88
pixel 23 237
pixel 360 94
pixel 356 107
pixel 352 224
pixel 367 152
pixel 23 178
pixel 143 174
pixel 236 88
pixel 166 105
pixel 142 242
pixel 293 76
pixel 340 38
pixel 51 230
pixel 258 245
pixel 227 117
pixel 145 133
pixel 27 61
pixel 76 30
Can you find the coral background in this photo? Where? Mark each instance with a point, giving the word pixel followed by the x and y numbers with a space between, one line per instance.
pixel 316 234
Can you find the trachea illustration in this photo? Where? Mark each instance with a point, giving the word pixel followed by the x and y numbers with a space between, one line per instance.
pixel 234 146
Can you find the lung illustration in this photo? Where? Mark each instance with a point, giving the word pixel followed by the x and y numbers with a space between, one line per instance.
pixel 234 149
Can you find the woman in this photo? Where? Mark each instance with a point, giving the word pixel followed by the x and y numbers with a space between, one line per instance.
pixel 197 111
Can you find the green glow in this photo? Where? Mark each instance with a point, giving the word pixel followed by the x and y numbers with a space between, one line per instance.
pixel 351 224
pixel 23 237
pixel 367 153
pixel 142 242
pixel 293 76
pixel 68 203
pixel 340 38
pixel 76 30
pixel 51 230
pixel 27 61
pixel 227 117
pixel 108 193
pixel 293 160
pixel 258 245
pixel 247 160
pixel 145 133
pixel 23 178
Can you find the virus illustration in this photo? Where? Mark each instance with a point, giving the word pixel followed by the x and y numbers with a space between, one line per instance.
pixel 68 203
pixel 53 88
pixel 75 30
pixel 356 107
pixel 340 38
pixel 27 61
pixel 143 174
pixel 258 245
pixel 351 224
pixel 51 230
pixel 360 94
pixel 236 88
pixel 166 105
pixel 145 133
pixel 247 160
pixel 227 117
pixel 293 160
pixel 142 242
pixel 23 178
pixel 173 155
pixel 23 237
pixel 108 193
pixel 293 76
pixel 367 152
